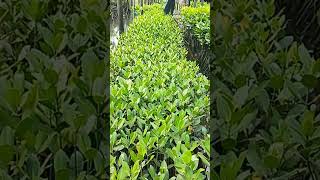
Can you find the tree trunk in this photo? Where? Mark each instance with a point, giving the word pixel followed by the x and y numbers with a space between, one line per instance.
pixel 195 3
pixel 120 16
pixel 141 4
pixel 128 8
pixel 169 7
pixel 202 1
pixel 133 5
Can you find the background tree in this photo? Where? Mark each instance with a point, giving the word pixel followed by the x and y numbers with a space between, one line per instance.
pixel 120 14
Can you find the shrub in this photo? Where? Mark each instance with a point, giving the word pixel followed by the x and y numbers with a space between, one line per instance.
pixel 266 118
pixel 144 8
pixel 196 27
pixel 53 100
pixel 197 20
pixel 159 104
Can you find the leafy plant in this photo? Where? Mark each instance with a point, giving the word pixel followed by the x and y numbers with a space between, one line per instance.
pixel 264 88
pixel 53 101
pixel 197 20
pixel 196 24
pixel 159 104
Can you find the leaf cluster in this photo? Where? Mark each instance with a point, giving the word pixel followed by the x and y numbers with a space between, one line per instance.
pixel 159 104
pixel 265 96
pixel 196 19
pixel 53 96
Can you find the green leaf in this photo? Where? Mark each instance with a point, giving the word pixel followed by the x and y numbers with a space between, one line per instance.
pixel 286 42
pixel 47 37
pixel 63 174
pixel 19 81
pixel 90 64
pixel 142 148
pixel 271 161
pixel 276 82
pixel 58 42
pixel 31 99
pixel 239 162
pixel 33 167
pixel 164 169
pixel 82 25
pixel 6 46
pixel 6 119
pixel 27 125
pixel 186 157
pixel 309 81
pixel 23 52
pixel 124 172
pixel 76 162
pixel 132 155
pixel 308 123
pixel 34 9
pixel 254 159
pixel 83 142
pixel 99 163
pixel 90 125
pixel 240 80
pixel 61 160
pixel 263 100
pixel 276 149
pixel 59 24
pixel 91 153
pixel 13 98
pixel 305 58
pixel 316 66
pixel 188 172
pixel 223 108
pixel 203 158
pixel 6 153
pixel 135 170
pixel 42 141
pixel 152 172
pixel 241 95
pixel 51 76
pixel 7 136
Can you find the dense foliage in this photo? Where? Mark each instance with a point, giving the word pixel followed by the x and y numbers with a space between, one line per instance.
pixel 265 113
pixel 197 20
pixel 159 104
pixel 53 101
pixel 196 24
